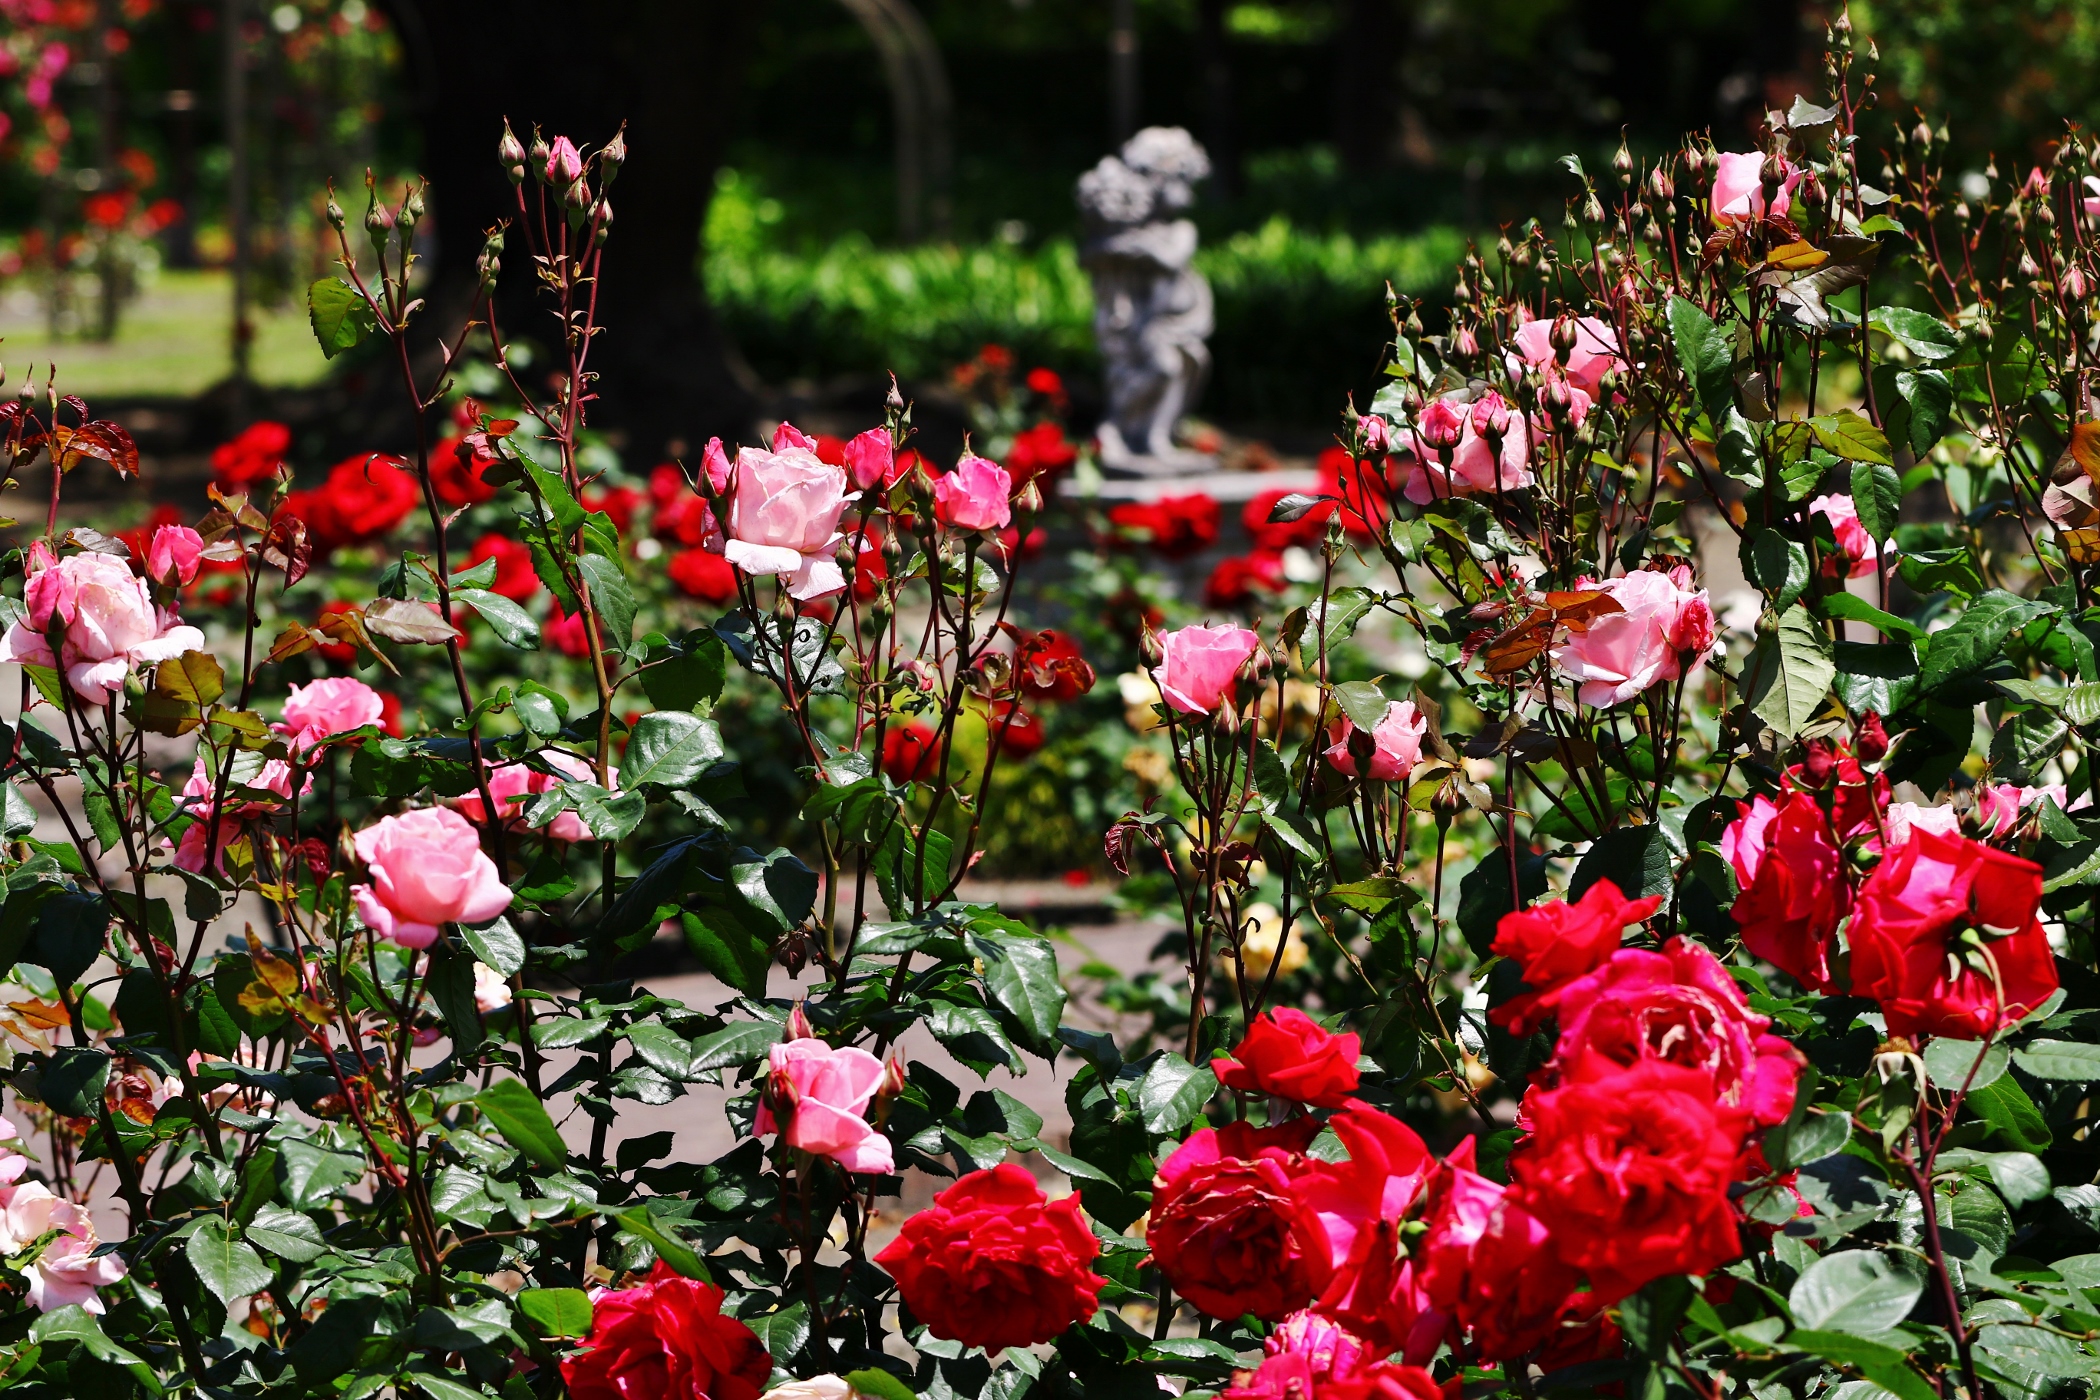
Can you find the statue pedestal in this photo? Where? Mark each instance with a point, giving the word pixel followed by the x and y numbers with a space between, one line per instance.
pixel 1227 488
pixel 1117 458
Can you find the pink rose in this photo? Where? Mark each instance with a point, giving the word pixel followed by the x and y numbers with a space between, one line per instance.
pixel 1398 738
pixel 1200 664
pixel 715 462
pixel 1442 424
pixel 316 713
pixel 1378 437
pixel 110 624
pixel 975 496
pixel 1471 467
pixel 67 1272
pixel 273 778
pixel 788 435
pixel 510 784
pixel 1859 549
pixel 1998 807
pixel 783 518
pixel 174 551
pixel 1596 351
pixel 869 456
pixel 1739 187
pixel 564 164
pixel 2091 201
pixel 1906 817
pixel 427 869
pixel 1661 634
pixel 824 1094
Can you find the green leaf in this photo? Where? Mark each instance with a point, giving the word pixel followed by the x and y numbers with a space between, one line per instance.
pixel 451 985
pixel 1372 897
pixel 681 1256
pixel 2033 1350
pixel 2060 1059
pixel 1776 565
pixel 1172 1092
pixel 1020 975
pixel 1706 355
pixel 670 748
pixel 688 676
pixel 1923 334
pixel 1977 637
pixel 523 1121
pixel 1637 859
pixel 511 623
pixel 287 1234
pixel 498 945
pixel 1948 1062
pixel 784 1333
pixel 1846 434
pixel 610 597
pixel 73 1082
pixel 1850 607
pixel 1812 1139
pixel 1788 674
pixel 729 945
pixel 2011 1114
pixel 340 315
pixel 1878 497
pixel 880 1385
pixel 740 1044
pixel 69 935
pixel 1853 1290
pixel 557 1312
pixel 229 1267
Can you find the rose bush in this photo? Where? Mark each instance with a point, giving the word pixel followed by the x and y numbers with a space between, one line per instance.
pixel 1589 980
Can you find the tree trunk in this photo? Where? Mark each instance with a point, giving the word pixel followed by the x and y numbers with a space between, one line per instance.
pixel 670 70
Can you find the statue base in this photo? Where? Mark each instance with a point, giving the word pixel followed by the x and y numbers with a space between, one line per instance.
pixel 1118 460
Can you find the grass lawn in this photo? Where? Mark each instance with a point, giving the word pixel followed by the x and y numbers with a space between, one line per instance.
pixel 173 339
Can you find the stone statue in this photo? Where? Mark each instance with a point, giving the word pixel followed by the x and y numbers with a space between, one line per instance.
pixel 1152 310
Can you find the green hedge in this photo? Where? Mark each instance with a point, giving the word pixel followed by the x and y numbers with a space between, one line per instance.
pixel 1300 315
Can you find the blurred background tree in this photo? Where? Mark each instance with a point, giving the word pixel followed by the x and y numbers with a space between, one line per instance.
pixel 821 188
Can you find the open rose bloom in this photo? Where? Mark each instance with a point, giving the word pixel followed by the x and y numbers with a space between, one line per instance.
pixel 427 869
pixel 110 624
pixel 782 517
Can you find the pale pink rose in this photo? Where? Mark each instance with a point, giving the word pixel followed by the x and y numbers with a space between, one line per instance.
pixel 2091 201
pixel 975 496
pixel 274 778
pixel 1663 625
pixel 1398 738
pixel 564 163
pixel 67 1271
pixel 824 1093
pixel 870 456
pixel 1739 188
pixel 110 624
pixel 1596 351
pixel 1200 664
pixel 1906 817
pixel 427 869
pixel 513 784
pixel 317 712
pixel 788 435
pixel 715 462
pixel 783 518
pixel 1472 467
pixel 491 991
pixel 1999 805
pixel 1378 437
pixel 175 550
pixel 1860 551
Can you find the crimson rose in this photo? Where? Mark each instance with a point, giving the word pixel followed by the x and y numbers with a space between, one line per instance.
pixel 1557 942
pixel 1289 1055
pixel 667 1339
pixel 993 1263
pixel 1228 1228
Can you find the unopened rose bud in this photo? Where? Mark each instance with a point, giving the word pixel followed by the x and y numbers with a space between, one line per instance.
pixel 336 217
pixel 893 1078
pixel 1491 416
pixel 2075 286
pixel 603 219
pixel 510 154
pixel 1819 763
pixel 1029 498
pixel 895 402
pixel 412 209
pixel 1377 437
pixel 1465 345
pixel 379 221
pixel 1660 189
pixel 577 200
pixel 798 1026
pixel 1593 211
pixel 1623 163
pixel 2029 269
pixel 538 156
pixel 564 166
pixel 1563 337
pixel 1440 426
pixel 1556 396
pixel 612 158
pixel 1151 648
pixel 1505 251
pixel 1922 134
pixel 1869 740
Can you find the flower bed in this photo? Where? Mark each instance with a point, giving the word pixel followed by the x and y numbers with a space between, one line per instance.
pixel 1636 1004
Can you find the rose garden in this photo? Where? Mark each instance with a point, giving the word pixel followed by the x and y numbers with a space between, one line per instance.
pixel 1574 982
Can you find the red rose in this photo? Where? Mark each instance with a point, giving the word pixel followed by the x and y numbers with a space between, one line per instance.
pixel 1908 952
pixel 619 503
pixel 1229 1228
pixel 365 496
pixel 1039 451
pixel 565 632
pixel 515 577
pixel 992 1263
pixel 1557 942
pixel 455 473
pixel 1017 732
pixel 906 751
pixel 258 452
pixel 1289 1055
pixel 1791 874
pixel 1306 531
pixel 1344 478
pixel 1051 667
pixel 1490 1262
pixel 667 1340
pixel 1376 1291
pixel 1176 526
pixel 1632 1172
pixel 1385 1381
pixel 699 574
pixel 1233 583
pixel 1679 1006
pixel 1585 1331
